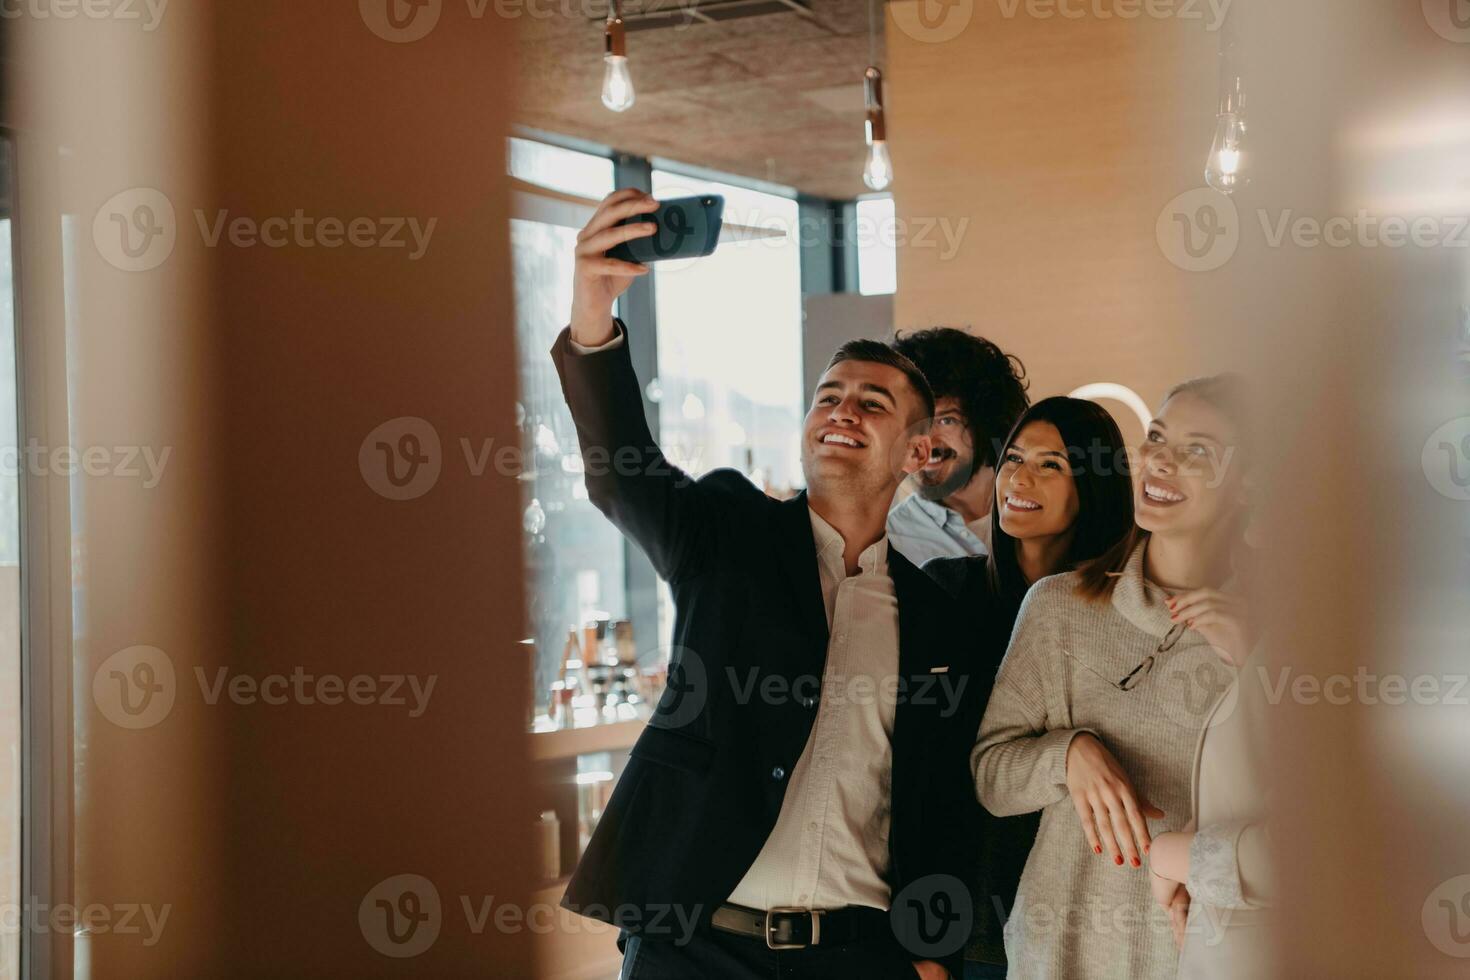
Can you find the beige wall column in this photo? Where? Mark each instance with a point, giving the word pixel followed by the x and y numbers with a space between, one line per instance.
pixel 262 360
pixel 1040 150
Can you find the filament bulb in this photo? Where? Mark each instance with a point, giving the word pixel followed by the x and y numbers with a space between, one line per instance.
pixel 1225 169
pixel 878 171
pixel 617 83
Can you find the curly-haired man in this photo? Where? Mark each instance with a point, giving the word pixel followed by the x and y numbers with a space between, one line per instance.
pixel 979 392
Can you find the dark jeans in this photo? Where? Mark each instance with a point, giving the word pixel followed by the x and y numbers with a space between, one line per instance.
pixel 715 955
pixel 984 971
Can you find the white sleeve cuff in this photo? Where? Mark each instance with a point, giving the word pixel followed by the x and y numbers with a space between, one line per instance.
pixel 1214 870
pixel 618 340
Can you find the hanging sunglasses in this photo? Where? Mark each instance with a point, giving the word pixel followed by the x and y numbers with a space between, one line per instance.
pixel 1136 676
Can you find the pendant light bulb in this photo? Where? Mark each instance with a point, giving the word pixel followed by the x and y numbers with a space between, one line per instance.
pixel 617 81
pixel 878 172
pixel 1226 167
pixel 878 169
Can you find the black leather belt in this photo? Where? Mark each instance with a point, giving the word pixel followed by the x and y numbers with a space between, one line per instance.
pixel 792 928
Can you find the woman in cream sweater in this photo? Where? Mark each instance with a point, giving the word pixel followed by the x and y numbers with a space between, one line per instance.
pixel 1101 698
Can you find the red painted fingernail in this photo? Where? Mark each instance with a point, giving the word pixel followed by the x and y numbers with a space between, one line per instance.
pixel 1137 863
pixel 1117 859
pixel 1146 847
pixel 1097 848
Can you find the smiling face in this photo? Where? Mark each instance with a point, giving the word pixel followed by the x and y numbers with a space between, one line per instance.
pixel 951 455
pixel 1187 485
pixel 1034 489
pixel 864 432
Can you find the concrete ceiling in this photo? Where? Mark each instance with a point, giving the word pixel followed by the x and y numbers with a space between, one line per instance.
pixel 777 97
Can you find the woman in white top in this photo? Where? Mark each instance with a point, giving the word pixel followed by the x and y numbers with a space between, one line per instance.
pixel 1097 707
pixel 1226 863
pixel 1221 862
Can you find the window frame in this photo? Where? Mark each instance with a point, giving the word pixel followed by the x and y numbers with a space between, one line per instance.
pixel 828 264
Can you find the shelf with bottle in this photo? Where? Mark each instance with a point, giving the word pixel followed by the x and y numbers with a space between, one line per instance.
pixel 566 743
pixel 600 683
pixel 571 799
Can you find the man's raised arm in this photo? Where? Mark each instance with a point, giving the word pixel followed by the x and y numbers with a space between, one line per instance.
pixel 628 477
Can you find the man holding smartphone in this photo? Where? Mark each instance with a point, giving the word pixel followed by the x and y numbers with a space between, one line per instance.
pixel 800 804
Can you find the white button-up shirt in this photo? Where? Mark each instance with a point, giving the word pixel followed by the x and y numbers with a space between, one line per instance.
pixel 922 530
pixel 829 847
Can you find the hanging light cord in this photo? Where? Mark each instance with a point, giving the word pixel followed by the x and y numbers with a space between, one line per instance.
pixel 872 33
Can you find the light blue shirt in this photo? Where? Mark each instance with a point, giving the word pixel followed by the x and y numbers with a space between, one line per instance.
pixel 922 529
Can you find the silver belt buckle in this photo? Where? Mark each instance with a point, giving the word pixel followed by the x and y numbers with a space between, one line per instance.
pixel 816 917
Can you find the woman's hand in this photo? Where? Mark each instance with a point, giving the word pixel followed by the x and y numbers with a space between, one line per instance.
pixel 1173 898
pixel 1223 620
pixel 1112 814
pixel 1170 855
pixel 1163 889
pixel 1179 915
pixel 1168 868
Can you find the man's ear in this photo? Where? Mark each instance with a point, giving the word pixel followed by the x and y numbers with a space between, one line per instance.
pixel 917 454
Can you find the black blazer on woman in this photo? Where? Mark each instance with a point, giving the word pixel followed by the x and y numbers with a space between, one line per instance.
pixel 705 780
pixel 1003 843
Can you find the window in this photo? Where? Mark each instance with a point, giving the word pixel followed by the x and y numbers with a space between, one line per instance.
pixel 729 348
pixel 575 558
pixel 728 385
pixel 11 740
pixel 877 257
pixel 729 343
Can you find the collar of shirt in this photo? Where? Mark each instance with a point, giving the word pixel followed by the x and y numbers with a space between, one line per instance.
pixel 941 515
pixel 831 545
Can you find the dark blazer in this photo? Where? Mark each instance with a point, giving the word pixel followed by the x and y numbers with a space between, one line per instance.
pixel 706 778
pixel 1003 843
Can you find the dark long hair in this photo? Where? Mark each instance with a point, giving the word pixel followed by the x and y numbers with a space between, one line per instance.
pixel 1228 395
pixel 1104 483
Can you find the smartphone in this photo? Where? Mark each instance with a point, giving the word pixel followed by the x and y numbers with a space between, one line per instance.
pixel 688 228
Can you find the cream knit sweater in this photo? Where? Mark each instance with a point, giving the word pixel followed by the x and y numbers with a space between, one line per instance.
pixel 1077 914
